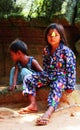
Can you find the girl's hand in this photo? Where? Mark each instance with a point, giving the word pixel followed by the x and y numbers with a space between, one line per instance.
pixel 69 91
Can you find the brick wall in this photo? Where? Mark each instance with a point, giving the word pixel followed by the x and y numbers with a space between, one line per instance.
pixel 12 29
pixel 30 32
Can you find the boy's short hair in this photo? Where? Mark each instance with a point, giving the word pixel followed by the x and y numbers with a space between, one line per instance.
pixel 17 45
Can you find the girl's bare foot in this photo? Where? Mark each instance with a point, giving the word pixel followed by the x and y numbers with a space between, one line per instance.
pixel 44 120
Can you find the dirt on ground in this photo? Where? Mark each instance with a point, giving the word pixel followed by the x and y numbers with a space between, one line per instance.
pixel 66 117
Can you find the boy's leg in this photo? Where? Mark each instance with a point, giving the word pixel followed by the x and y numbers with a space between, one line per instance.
pixel 22 74
pixel 25 72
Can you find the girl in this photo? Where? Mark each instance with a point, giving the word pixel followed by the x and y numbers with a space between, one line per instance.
pixel 24 64
pixel 59 73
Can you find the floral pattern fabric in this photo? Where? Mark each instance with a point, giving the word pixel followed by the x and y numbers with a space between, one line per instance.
pixel 59 74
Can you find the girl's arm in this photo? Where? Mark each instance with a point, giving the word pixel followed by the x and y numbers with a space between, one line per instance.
pixel 71 71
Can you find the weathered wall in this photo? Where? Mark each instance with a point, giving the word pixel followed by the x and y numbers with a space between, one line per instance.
pixel 30 32
pixel 12 29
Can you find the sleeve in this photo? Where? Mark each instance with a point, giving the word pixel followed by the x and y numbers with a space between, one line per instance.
pixel 46 58
pixel 71 69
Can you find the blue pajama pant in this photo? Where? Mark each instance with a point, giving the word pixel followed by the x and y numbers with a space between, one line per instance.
pixel 37 80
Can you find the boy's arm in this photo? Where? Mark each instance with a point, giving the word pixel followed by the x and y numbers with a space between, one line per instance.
pixel 15 77
pixel 36 66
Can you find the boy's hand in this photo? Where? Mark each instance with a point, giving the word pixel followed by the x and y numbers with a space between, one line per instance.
pixel 12 88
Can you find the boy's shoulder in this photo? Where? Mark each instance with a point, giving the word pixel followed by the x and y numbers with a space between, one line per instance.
pixel 30 59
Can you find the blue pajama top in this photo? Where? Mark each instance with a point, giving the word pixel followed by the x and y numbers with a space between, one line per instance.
pixel 61 63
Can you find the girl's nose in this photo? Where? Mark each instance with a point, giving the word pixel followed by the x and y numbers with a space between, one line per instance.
pixel 53 34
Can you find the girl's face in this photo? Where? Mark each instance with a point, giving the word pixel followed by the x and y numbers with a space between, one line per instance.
pixel 14 56
pixel 53 37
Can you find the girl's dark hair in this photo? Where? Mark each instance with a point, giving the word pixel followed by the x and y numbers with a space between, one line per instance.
pixel 59 28
pixel 17 45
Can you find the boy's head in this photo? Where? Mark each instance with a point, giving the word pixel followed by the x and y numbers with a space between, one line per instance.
pixel 17 48
pixel 18 45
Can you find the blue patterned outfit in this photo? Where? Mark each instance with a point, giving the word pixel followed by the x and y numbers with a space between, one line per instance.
pixel 59 74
